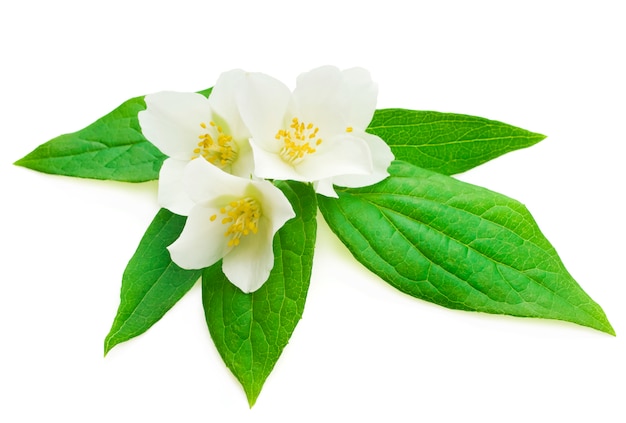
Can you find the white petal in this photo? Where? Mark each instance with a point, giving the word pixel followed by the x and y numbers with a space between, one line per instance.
pixel 172 121
pixel 361 93
pixel 269 165
pixel 317 87
pixel 325 187
pixel 248 265
pixel 244 165
pixel 223 102
pixel 172 194
pixel 263 102
pixel 318 99
pixel 342 155
pixel 202 242
pixel 381 159
pixel 207 184
pixel 275 206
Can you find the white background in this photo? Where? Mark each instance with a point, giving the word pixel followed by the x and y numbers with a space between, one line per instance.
pixel 362 349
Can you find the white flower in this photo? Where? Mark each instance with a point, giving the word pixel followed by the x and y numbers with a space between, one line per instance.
pixel 185 126
pixel 232 218
pixel 317 134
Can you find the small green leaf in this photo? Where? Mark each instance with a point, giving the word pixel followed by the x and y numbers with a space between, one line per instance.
pixel 152 283
pixel 112 147
pixel 251 330
pixel 447 143
pixel 458 245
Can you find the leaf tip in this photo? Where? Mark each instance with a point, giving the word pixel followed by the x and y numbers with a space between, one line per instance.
pixel 21 162
pixel 252 399
pixel 108 345
pixel 609 329
pixel 601 323
pixel 251 390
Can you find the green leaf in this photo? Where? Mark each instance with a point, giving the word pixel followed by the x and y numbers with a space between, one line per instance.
pixel 251 330
pixel 447 143
pixel 112 147
pixel 152 283
pixel 458 245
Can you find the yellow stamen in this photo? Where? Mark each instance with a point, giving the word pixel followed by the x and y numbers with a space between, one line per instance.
pixel 243 216
pixel 297 140
pixel 349 129
pixel 222 152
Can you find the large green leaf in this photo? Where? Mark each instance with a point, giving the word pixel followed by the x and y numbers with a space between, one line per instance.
pixel 458 245
pixel 112 147
pixel 152 283
pixel 447 143
pixel 251 330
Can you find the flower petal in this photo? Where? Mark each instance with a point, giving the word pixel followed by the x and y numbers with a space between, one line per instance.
pixel 361 94
pixel 244 165
pixel 269 165
pixel 223 102
pixel 172 120
pixel 276 207
pixel 202 242
pixel 263 102
pixel 207 184
pixel 325 188
pixel 342 155
pixel 249 264
pixel 318 99
pixel 172 194
pixel 381 159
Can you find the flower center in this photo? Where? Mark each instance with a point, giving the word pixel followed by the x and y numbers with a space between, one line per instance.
pixel 299 140
pixel 242 218
pixel 221 152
